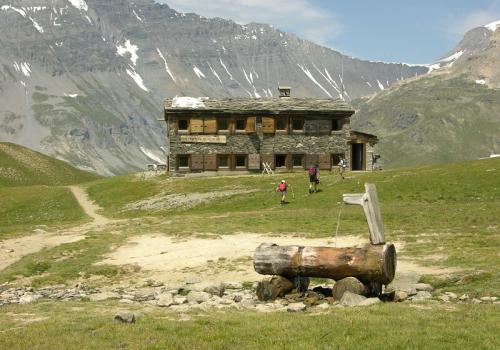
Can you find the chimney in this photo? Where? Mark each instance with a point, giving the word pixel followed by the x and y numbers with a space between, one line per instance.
pixel 285 91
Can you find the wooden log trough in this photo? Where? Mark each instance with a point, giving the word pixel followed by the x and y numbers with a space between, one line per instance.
pixel 374 263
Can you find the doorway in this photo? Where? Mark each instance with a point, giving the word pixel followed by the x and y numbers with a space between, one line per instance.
pixel 358 156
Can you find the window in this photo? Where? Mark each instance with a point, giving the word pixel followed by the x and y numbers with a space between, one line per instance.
pixel 336 124
pixel 297 124
pixel 240 124
pixel 298 160
pixel 183 124
pixel 183 161
pixel 280 160
pixel 240 160
pixel 336 158
pixel 223 161
pixel 282 123
pixel 223 124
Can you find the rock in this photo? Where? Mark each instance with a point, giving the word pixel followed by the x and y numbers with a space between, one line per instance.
pixel 264 308
pixel 421 296
pixel 237 298
pixel 153 283
pixel 451 295
pixel 323 306
pixel 423 287
pixel 464 297
pixel 399 296
pixel 232 285
pixel 476 301
pixel 217 290
pixel 327 292
pixel 126 301
pixel 274 287
pixel 29 298
pixel 165 300
pixel 312 298
pixel 488 299
pixel 192 280
pixel 179 300
pixel 125 317
pixel 351 299
pixel 370 302
pixel 197 297
pixel 296 307
pixel 444 298
pixel 104 296
pixel 348 284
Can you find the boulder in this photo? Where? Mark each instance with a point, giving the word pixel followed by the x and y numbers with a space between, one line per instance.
pixel 296 307
pixel 232 285
pixel 488 299
pixel 195 297
pixel 421 296
pixel 274 287
pixel 423 287
pixel 29 298
pixel 399 296
pixel 165 300
pixel 370 302
pixel 216 289
pixel 323 306
pixel 125 317
pixel 351 299
pixel 348 284
pixel 179 300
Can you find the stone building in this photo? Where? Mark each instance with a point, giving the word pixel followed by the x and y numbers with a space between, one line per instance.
pixel 240 134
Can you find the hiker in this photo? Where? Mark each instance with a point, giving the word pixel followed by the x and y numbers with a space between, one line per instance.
pixel 313 178
pixel 342 167
pixel 282 187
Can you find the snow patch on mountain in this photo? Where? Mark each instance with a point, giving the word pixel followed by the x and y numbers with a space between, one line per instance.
pixel 451 59
pixel 198 72
pixel 380 86
pixel 152 155
pixel 15 9
pixel 79 4
pixel 23 67
pixel 137 16
pixel 169 72
pixel 137 78
pixel 493 26
pixel 313 79
pixel 130 49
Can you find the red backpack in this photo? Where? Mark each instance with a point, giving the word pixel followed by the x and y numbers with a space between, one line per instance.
pixel 312 170
pixel 282 186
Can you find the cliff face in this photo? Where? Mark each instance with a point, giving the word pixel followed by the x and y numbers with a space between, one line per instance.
pixel 85 80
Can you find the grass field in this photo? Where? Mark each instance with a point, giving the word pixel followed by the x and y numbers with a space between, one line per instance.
pixel 89 325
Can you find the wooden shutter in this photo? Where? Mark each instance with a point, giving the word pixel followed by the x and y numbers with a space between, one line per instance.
pixel 196 125
pixel 254 161
pixel 311 159
pixel 325 162
pixel 210 125
pixel 268 125
pixel 196 162
pixel 268 158
pixel 250 124
pixel 210 162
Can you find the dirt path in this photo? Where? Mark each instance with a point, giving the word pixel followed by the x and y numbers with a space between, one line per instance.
pixel 14 249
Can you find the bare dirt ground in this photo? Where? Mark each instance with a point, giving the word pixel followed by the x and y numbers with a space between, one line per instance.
pixel 14 249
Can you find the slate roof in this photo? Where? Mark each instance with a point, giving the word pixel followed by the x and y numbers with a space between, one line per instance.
pixel 269 105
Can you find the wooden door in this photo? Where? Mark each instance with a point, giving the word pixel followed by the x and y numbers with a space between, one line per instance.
pixel 210 125
pixel 196 125
pixel 325 162
pixel 254 161
pixel 197 162
pixel 210 162
pixel 268 126
pixel 250 125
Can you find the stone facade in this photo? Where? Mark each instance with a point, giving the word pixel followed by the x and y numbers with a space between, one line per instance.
pixel 299 139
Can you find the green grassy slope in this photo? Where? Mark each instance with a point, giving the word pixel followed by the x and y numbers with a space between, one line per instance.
pixel 20 166
pixel 432 120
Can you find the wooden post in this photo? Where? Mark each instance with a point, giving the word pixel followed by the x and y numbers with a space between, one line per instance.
pixel 369 202
pixel 369 264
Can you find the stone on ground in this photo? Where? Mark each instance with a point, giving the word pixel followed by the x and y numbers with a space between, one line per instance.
pixel 348 284
pixel 274 287
pixel 296 307
pixel 232 285
pixel 165 300
pixel 216 289
pixel 423 287
pixel 370 302
pixel 29 298
pixel 421 296
pixel 125 317
pixel 351 299
pixel 399 296
pixel 197 297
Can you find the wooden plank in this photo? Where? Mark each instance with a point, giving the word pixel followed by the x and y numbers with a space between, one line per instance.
pixel 196 125
pixel 196 162
pixel 268 126
pixel 325 162
pixel 250 125
pixel 254 161
pixel 210 162
pixel 373 215
pixel 210 125
pixel 268 158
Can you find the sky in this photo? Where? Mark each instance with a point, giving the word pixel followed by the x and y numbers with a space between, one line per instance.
pixel 380 30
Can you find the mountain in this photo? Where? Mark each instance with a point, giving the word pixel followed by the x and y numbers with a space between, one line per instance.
pixel 451 114
pixel 84 81
pixel 21 166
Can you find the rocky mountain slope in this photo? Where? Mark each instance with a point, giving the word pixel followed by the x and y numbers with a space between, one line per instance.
pixel 84 80
pixel 449 115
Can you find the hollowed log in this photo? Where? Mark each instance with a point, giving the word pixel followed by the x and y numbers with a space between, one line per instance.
pixel 369 264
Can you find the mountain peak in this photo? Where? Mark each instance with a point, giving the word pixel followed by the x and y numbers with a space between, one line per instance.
pixel 493 26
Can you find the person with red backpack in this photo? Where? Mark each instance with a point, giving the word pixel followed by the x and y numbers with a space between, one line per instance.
pixel 313 178
pixel 283 188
